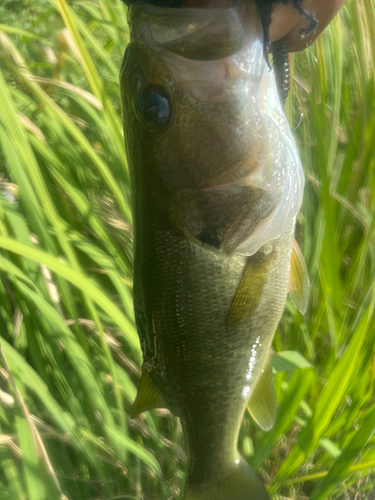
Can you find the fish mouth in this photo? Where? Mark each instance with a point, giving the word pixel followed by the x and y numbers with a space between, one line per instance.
pixel 204 48
pixel 201 34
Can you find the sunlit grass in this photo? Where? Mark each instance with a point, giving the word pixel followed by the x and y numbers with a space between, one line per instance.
pixel 69 350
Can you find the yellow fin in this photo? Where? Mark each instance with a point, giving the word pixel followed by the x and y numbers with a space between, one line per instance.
pixel 241 484
pixel 147 397
pixel 299 282
pixel 262 404
pixel 250 288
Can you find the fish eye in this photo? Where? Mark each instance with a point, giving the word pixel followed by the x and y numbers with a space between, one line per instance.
pixel 153 107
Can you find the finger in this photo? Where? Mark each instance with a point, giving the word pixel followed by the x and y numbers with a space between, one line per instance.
pixel 287 24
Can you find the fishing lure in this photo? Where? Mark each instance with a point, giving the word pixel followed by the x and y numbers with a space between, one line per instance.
pixel 281 68
pixel 265 8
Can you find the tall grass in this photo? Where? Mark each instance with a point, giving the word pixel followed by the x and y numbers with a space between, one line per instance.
pixel 69 351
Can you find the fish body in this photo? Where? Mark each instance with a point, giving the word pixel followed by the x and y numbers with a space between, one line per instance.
pixel 217 184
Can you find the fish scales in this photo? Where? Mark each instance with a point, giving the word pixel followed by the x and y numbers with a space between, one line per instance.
pixel 201 362
pixel 216 184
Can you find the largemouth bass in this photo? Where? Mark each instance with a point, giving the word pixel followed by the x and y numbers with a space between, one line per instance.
pixel 217 184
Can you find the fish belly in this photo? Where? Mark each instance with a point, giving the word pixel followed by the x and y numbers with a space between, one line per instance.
pixel 204 364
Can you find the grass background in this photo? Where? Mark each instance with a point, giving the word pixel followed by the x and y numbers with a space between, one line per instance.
pixel 69 350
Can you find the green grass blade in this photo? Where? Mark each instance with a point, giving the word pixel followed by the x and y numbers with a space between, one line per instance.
pixel 78 280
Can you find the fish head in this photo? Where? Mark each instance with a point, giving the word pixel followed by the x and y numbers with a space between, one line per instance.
pixel 186 94
pixel 205 131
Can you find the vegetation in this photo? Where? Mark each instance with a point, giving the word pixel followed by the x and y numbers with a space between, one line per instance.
pixel 69 350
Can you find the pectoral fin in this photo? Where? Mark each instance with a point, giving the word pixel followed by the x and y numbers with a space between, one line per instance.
pixel 250 288
pixel 299 282
pixel 147 397
pixel 262 404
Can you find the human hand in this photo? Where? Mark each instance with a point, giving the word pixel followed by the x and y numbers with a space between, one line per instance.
pixel 287 23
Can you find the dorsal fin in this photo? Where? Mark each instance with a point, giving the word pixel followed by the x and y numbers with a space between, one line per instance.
pixel 299 282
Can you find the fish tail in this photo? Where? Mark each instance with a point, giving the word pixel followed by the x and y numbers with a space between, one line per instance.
pixel 241 484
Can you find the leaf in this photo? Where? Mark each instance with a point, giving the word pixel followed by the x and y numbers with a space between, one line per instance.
pixel 289 404
pixel 287 361
pixel 328 401
pixel 346 458
pixel 80 281
pixel 137 450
